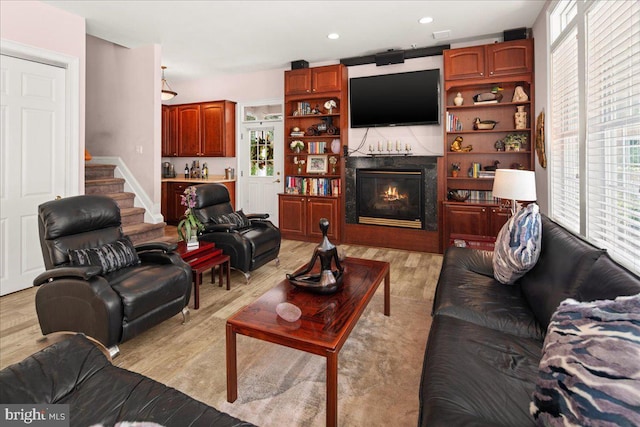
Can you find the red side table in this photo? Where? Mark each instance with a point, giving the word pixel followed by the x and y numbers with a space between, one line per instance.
pixel 201 259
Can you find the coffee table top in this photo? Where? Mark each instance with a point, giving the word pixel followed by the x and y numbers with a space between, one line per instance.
pixel 326 320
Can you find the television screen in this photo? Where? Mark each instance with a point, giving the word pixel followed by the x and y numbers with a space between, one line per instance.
pixel 401 99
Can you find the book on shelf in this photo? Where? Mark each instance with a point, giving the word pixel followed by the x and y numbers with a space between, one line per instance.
pixel 313 186
pixel 299 133
pixel 453 123
pixel 482 196
pixel 492 101
pixel 317 147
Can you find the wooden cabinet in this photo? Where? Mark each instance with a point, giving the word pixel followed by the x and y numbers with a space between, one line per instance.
pixel 489 61
pixel 188 135
pixel 313 80
pixel 500 67
pixel 304 214
pixel 169 131
pixel 172 193
pixel 205 129
pixel 313 194
pixel 478 220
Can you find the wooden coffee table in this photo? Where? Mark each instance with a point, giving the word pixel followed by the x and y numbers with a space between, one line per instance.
pixel 323 328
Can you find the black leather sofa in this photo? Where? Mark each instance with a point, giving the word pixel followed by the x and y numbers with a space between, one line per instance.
pixel 484 347
pixel 77 373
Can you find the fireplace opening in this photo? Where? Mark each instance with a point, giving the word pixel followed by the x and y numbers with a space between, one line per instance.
pixel 390 197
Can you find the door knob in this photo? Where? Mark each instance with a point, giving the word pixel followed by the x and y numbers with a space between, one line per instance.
pixel 277 181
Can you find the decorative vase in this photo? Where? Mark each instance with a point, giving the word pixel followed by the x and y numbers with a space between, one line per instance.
pixel 458 100
pixel 296 150
pixel 454 173
pixel 335 146
pixel 520 118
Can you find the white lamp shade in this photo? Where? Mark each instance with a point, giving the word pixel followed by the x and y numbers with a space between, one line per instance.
pixel 515 184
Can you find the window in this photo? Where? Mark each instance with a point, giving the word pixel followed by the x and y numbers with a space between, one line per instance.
pixel 594 149
pixel 261 141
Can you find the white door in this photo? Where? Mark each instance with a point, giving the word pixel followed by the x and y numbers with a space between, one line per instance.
pixel 260 164
pixel 32 162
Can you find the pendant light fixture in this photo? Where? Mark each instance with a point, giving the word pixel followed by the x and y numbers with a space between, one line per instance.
pixel 167 93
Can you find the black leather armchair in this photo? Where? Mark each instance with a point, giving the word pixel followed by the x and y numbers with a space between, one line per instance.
pixel 248 247
pixel 111 307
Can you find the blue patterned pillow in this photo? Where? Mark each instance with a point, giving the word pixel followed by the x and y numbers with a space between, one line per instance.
pixel 110 257
pixel 590 368
pixel 238 218
pixel 517 247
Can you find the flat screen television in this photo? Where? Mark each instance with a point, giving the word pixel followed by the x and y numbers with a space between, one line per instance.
pixel 401 99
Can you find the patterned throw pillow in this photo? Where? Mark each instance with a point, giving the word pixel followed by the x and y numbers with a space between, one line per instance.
pixel 590 368
pixel 110 257
pixel 517 246
pixel 238 218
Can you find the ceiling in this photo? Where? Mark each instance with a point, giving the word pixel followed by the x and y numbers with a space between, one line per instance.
pixel 206 38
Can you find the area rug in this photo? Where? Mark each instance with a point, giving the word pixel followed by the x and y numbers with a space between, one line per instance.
pixel 378 377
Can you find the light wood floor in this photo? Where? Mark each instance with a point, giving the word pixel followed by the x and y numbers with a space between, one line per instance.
pixel 160 352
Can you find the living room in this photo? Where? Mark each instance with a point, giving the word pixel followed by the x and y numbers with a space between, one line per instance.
pixel 102 71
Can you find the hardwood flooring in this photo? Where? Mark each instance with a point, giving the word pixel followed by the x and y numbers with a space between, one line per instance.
pixel 163 351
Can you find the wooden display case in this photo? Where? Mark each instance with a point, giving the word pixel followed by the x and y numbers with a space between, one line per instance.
pixel 470 71
pixel 315 107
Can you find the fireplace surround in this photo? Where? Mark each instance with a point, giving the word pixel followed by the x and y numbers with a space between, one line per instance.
pixel 426 166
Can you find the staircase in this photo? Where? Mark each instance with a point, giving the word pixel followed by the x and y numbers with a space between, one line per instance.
pixel 99 179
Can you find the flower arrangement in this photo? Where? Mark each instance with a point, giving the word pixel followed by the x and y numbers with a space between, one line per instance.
pixel 189 226
pixel 514 141
pixel 455 169
pixel 296 145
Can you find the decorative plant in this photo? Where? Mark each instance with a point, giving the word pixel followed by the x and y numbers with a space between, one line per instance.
pixel 189 225
pixel 296 145
pixel 455 166
pixel 515 139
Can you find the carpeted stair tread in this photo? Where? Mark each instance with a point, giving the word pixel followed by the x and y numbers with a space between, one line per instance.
pixel 97 171
pixel 123 199
pixel 132 215
pixel 144 232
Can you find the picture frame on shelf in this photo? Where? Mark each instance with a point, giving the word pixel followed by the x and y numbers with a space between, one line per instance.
pixel 317 164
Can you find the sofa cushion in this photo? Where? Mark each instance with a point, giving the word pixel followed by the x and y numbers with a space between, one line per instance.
pixel 476 376
pixel 110 257
pixel 565 260
pixel 606 280
pixel 517 246
pixel 237 218
pixel 467 290
pixel 590 367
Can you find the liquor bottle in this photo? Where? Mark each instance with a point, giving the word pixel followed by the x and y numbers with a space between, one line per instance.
pixel 192 171
pixel 205 171
pixel 186 170
pixel 197 169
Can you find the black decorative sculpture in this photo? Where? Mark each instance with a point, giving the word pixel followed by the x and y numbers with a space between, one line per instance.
pixel 329 280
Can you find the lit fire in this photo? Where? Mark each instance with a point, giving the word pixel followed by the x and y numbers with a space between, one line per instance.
pixel 391 195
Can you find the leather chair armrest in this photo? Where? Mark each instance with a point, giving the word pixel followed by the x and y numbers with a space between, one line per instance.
pixel 152 246
pixel 210 228
pixel 84 273
pixel 257 216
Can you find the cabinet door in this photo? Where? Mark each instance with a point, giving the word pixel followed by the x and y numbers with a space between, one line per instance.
pixel 461 219
pixel 175 210
pixel 292 211
pixel 464 63
pixel 188 135
pixel 231 186
pixel 320 207
pixel 169 131
pixel 325 79
pixel 497 218
pixel 513 57
pixel 212 129
pixel 297 81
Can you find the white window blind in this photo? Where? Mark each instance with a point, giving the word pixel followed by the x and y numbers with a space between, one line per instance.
pixel 613 128
pixel 564 142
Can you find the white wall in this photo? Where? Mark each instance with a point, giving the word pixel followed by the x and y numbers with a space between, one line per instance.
pixel 42 26
pixel 424 140
pixel 123 109
pixel 541 72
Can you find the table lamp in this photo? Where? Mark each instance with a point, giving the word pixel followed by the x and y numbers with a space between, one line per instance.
pixel 515 184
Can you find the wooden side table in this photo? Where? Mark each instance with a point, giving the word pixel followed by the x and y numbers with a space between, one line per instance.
pixel 201 259
pixel 472 241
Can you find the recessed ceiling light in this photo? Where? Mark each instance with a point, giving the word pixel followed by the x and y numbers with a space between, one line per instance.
pixel 333 36
pixel 426 20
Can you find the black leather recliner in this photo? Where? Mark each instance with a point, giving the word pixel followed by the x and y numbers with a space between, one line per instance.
pixel 248 247
pixel 110 307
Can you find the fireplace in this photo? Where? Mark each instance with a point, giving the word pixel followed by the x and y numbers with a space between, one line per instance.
pixel 390 197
